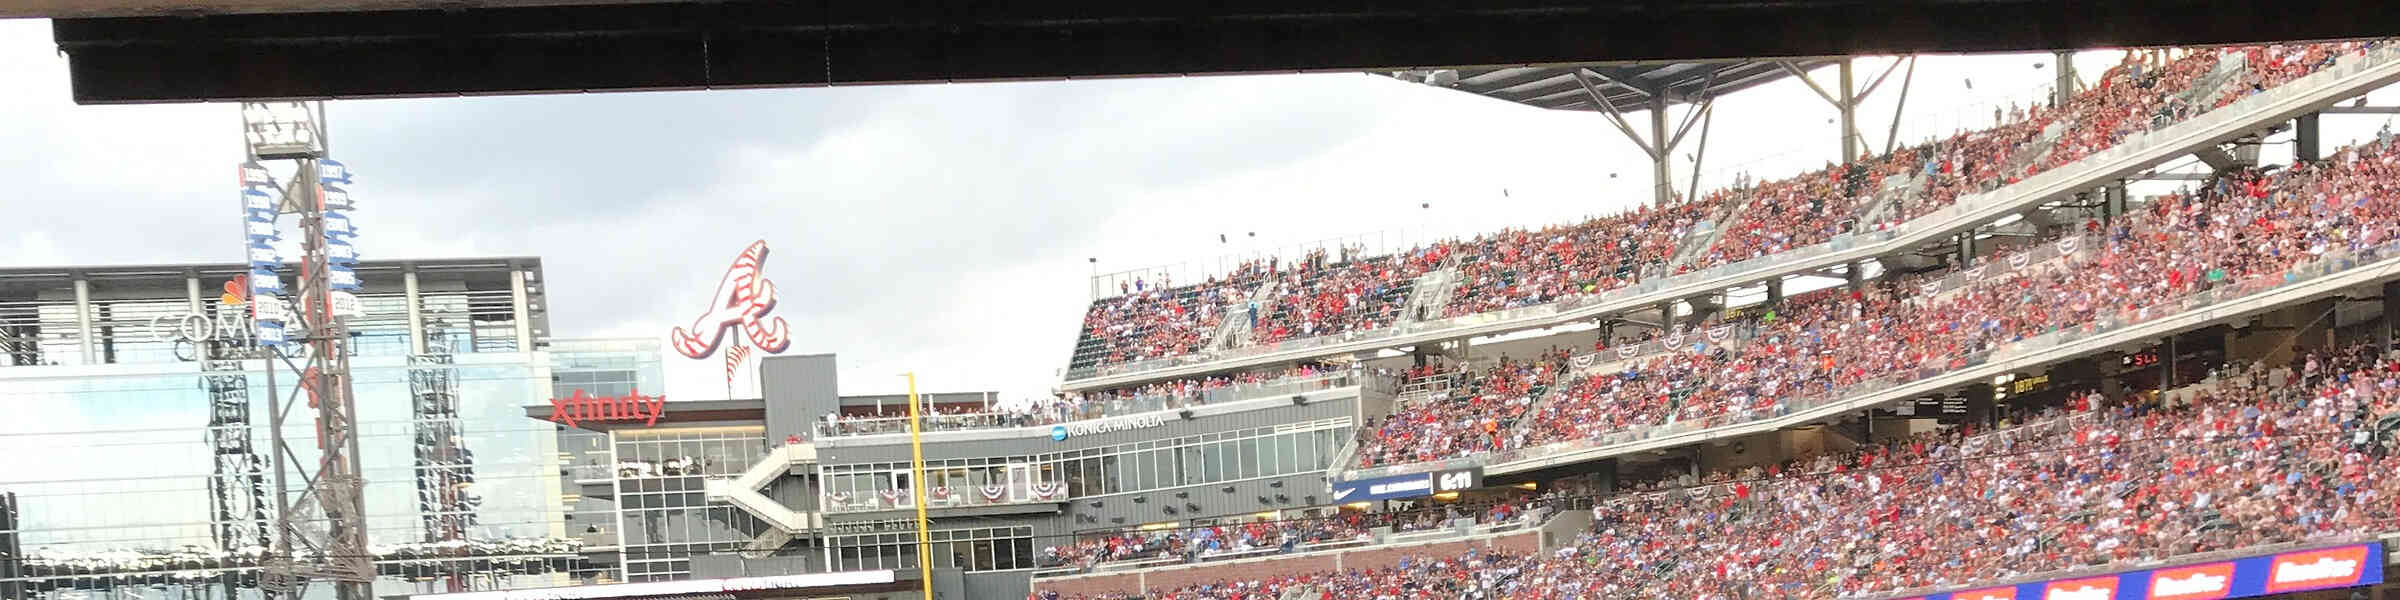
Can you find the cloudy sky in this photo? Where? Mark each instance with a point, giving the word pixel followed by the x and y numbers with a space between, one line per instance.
pixel 943 229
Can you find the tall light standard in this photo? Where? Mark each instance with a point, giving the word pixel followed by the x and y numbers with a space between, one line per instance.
pixel 321 530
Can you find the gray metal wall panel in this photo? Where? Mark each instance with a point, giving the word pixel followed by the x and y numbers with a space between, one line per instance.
pixel 1119 511
pixel 798 389
pixel 993 585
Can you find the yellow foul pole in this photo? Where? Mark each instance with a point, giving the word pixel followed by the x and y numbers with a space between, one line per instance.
pixel 916 487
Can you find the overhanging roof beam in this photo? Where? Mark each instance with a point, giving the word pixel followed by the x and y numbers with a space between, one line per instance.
pixel 1615 117
pixel 1794 69
pixel 1622 81
pixel 1861 96
pixel 1905 81
pixel 1691 116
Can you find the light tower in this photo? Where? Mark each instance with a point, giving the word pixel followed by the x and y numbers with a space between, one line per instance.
pixel 321 525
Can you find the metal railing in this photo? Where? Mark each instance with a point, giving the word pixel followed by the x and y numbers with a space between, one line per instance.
pixel 2210 295
pixel 946 497
pixel 1098 408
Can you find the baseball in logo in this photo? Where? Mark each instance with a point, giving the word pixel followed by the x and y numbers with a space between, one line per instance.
pixel 743 299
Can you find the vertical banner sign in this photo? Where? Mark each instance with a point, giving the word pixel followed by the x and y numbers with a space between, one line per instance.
pixel 341 254
pixel 260 206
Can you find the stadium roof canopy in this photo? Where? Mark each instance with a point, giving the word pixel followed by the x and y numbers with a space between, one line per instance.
pixel 1626 87
pixel 160 51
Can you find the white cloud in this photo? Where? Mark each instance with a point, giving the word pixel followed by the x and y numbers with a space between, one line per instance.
pixel 939 228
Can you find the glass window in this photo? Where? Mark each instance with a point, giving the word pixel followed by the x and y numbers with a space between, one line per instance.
pixel 1305 454
pixel 1246 452
pixel 1162 473
pixel 1212 462
pixel 1115 474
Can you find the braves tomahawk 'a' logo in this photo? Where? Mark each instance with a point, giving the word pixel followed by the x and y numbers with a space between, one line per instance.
pixel 744 297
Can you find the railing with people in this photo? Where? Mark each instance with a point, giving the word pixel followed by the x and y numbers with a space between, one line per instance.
pixel 2211 294
pixel 2362 70
pixel 1101 407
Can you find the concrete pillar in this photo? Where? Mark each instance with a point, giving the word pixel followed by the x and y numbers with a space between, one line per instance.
pixel 1849 108
pixel 1966 248
pixel 1662 176
pixel 2063 89
pixel 517 305
pixel 83 317
pixel 416 310
pixel 2166 364
pixel 191 292
pixel 1775 292
pixel 2391 311
pixel 2304 138
pixel 1856 272
pixel 1666 314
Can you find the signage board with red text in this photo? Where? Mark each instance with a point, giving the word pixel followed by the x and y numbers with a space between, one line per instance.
pixel 2299 570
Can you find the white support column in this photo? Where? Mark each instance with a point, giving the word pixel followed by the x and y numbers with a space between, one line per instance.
pixel 83 316
pixel 524 317
pixel 416 311
pixel 1849 107
pixel 2063 88
pixel 1662 173
pixel 191 292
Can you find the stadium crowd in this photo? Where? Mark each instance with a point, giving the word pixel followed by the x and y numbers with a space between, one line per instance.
pixel 1476 414
pixel 1326 296
pixel 2256 455
pixel 1348 527
pixel 2245 229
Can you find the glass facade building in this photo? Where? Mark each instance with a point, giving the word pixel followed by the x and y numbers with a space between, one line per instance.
pixel 136 467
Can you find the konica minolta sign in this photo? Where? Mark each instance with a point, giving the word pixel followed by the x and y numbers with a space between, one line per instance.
pixel 1407 486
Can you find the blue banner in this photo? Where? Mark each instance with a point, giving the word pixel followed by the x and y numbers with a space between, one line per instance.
pixel 263 256
pixel 270 333
pixel 339 251
pixel 264 282
pixel 2322 568
pixel 340 277
pixel 1383 488
pixel 338 224
pixel 332 171
pixel 256 199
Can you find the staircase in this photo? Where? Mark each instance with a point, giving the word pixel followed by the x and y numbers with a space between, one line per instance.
pixel 1235 332
pixel 1896 190
pixel 743 493
pixel 2210 86
pixel 1430 294
pixel 1695 244
pixel 1420 389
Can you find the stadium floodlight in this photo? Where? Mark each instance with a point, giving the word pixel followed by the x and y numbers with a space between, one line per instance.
pixel 281 130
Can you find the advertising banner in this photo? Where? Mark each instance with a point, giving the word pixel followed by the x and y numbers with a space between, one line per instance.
pixel 1383 488
pixel 2300 570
